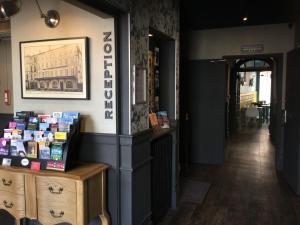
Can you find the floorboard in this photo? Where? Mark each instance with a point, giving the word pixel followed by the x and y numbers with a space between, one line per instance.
pixel 246 190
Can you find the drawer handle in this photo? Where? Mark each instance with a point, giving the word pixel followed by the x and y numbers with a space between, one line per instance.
pixel 8 206
pixel 58 192
pixel 6 183
pixel 54 215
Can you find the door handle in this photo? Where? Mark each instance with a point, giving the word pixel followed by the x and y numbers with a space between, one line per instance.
pixel 285 116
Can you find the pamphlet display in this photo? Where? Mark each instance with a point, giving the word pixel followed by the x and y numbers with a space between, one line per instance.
pixel 40 142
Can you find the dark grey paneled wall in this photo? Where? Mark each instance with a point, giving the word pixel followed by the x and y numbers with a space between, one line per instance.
pixel 4 119
pixel 135 179
pixel 134 187
pixel 102 148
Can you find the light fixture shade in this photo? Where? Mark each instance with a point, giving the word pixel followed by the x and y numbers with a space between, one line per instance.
pixel 8 8
pixel 52 18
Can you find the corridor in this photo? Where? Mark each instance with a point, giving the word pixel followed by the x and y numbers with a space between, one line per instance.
pixel 246 190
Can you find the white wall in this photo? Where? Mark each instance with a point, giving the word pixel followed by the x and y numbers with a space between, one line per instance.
pixel 27 25
pixel 216 43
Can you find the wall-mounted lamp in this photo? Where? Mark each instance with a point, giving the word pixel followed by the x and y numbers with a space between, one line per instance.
pixel 8 8
pixel 51 18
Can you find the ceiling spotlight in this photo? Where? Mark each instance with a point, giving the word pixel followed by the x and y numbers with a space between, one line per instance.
pixel 8 8
pixel 245 18
pixel 51 18
pixel 150 35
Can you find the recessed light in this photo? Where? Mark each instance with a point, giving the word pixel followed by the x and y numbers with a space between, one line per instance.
pixel 150 35
pixel 245 18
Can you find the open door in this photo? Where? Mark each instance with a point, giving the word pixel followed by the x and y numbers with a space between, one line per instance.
pixel 291 165
pixel 206 105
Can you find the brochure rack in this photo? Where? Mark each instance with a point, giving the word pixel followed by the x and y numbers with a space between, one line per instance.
pixel 69 151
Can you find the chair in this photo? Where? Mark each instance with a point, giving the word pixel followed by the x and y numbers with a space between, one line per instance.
pixel 6 218
pixel 252 113
pixel 26 221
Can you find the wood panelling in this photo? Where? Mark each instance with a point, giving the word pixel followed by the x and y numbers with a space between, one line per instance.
pixel 12 182
pixel 74 197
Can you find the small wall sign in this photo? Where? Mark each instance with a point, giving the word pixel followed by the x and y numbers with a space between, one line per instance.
pixel 251 49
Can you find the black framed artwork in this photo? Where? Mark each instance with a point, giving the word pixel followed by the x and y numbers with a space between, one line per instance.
pixel 55 68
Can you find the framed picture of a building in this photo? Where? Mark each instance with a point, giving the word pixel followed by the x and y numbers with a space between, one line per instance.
pixel 55 69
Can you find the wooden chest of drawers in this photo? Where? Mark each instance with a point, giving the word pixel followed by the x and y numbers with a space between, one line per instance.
pixel 75 197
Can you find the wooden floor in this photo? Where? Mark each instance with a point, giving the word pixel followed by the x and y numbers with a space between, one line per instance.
pixel 246 190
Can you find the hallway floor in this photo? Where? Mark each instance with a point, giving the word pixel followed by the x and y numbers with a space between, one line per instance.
pixel 246 190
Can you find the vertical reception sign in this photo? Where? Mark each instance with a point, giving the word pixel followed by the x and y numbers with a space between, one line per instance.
pixel 109 82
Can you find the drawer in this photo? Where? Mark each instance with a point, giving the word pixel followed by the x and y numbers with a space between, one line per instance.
pixel 12 182
pixel 14 204
pixel 51 212
pixel 56 189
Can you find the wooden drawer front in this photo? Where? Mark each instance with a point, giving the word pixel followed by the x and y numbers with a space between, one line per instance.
pixel 56 189
pixel 51 212
pixel 12 182
pixel 14 204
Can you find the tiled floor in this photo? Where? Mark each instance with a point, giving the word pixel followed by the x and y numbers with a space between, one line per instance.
pixel 246 190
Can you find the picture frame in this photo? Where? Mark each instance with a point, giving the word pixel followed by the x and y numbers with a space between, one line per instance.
pixel 55 69
pixel 139 84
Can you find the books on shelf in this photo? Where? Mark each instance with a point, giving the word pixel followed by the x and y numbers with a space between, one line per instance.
pixel 163 119
pixel 159 120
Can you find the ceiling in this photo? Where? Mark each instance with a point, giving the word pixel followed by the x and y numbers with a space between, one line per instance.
pixel 208 14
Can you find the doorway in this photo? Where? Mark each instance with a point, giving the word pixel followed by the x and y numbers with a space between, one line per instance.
pixel 252 78
pixel 259 66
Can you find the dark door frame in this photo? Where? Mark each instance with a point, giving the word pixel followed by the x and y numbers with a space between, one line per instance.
pixel 276 127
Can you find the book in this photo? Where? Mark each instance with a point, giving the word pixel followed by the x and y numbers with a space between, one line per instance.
pixel 53 128
pixel 35 166
pixel 49 136
pixel 63 127
pixel 28 135
pixel 8 133
pixel 163 119
pixel 57 115
pixel 17 119
pixel 6 162
pixel 60 166
pixel 57 151
pixel 44 150
pixel 32 149
pixel 33 119
pixel 4 146
pixel 60 135
pixel 153 120
pixel 12 125
pixel 44 126
pixel 13 147
pixel 21 126
pixel 38 135
pixel 24 115
pixel 16 134
pixel 66 120
pixel 52 120
pixel 21 151
pixel 74 115
pixel 32 126
pixel 43 118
